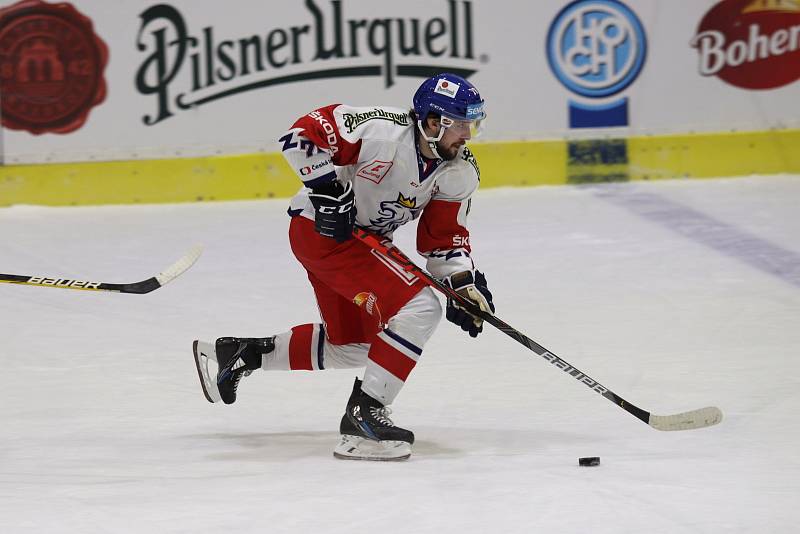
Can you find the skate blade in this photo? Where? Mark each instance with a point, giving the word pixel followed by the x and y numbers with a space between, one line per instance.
pixel 358 448
pixel 203 352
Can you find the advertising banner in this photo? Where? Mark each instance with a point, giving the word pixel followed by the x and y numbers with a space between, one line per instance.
pixel 104 80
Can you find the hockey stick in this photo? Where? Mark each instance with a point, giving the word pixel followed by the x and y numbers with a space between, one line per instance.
pixel 138 288
pixel 700 418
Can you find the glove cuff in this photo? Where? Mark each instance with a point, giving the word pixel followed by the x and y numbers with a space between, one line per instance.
pixel 461 280
pixel 333 189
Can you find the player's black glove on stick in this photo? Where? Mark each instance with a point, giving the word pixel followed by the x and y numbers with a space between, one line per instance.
pixel 475 289
pixel 335 208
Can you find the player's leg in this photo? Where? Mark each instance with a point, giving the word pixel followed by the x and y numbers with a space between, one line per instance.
pixel 234 358
pixel 340 341
pixel 305 347
pixel 397 348
pixel 357 291
pixel 406 310
pixel 403 309
pixel 393 354
pixel 367 431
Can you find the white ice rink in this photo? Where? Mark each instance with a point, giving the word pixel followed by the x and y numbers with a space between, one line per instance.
pixel 676 295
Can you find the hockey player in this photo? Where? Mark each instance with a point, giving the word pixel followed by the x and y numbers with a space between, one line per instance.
pixel 377 168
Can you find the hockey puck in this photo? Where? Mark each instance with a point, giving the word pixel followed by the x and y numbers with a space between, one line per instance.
pixel 589 461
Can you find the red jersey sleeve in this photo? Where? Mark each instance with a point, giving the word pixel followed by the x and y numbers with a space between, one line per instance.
pixel 439 227
pixel 321 128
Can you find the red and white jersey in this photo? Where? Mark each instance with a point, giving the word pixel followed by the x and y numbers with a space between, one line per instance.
pixel 375 149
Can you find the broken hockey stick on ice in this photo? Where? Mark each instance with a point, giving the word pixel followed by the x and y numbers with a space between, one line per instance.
pixel 700 418
pixel 138 288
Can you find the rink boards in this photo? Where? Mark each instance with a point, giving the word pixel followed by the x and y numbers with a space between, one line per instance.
pixel 105 101
pixel 555 162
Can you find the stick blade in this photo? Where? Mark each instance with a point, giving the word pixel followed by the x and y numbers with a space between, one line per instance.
pixel 180 266
pixel 704 417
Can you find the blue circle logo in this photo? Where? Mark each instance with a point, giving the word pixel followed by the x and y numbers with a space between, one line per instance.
pixel 596 48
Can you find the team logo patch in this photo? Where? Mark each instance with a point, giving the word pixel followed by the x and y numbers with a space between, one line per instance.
pixel 444 87
pixel 393 214
pixel 375 171
pixel 51 65
pixel 407 202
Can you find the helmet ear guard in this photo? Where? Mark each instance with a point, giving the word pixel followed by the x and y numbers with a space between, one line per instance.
pixel 431 140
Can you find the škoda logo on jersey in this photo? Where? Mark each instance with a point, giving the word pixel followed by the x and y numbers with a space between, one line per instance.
pixel 184 68
pixel 752 44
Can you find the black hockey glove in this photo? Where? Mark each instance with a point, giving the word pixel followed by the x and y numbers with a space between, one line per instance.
pixel 335 207
pixel 475 290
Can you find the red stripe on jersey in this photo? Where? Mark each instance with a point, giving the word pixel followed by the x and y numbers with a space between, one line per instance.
pixel 439 229
pixel 321 128
pixel 300 348
pixel 391 359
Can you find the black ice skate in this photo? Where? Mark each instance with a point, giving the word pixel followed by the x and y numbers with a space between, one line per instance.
pixel 235 357
pixel 368 433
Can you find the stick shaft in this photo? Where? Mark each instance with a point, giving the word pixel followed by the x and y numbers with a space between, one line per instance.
pixel 390 251
pixel 137 288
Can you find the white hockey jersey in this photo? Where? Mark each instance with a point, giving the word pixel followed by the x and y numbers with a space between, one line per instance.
pixel 375 149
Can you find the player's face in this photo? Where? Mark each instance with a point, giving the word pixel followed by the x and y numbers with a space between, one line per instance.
pixel 455 135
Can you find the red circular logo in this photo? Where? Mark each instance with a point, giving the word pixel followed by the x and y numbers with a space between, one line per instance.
pixel 51 67
pixel 753 44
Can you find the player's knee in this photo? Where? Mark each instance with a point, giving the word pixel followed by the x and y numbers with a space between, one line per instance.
pixel 418 318
pixel 428 307
pixel 435 307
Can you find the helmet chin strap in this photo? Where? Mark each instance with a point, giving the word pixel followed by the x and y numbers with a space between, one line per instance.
pixel 432 140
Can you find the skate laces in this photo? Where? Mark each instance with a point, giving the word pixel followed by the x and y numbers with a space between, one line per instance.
pixel 237 374
pixel 382 415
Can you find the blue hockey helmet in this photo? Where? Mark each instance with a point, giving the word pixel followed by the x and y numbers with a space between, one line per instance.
pixel 451 96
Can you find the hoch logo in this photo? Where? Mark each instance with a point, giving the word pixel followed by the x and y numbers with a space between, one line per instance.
pixel 596 49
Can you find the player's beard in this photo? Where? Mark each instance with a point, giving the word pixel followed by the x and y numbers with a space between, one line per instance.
pixel 448 152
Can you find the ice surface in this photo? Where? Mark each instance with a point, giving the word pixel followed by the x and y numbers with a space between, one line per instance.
pixel 676 295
